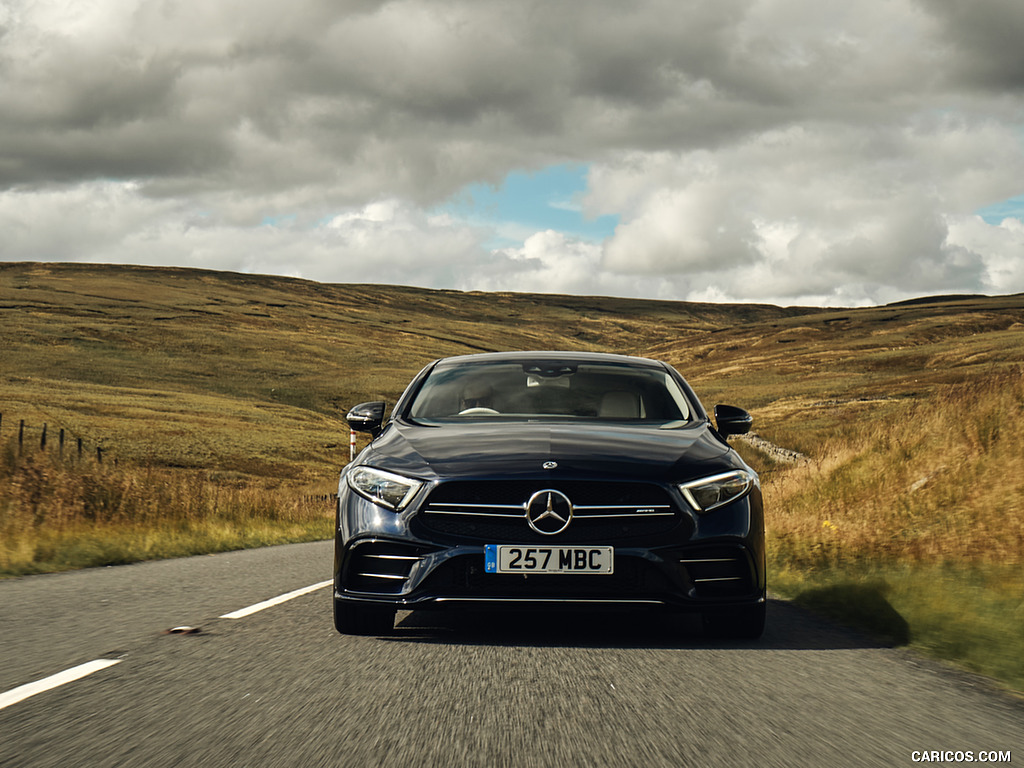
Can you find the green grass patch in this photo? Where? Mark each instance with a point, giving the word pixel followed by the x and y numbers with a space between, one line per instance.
pixel 972 616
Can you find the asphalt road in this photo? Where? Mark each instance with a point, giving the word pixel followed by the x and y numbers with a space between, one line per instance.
pixel 281 688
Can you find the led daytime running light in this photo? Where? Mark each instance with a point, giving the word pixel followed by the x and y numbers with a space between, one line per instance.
pixel 709 493
pixel 384 488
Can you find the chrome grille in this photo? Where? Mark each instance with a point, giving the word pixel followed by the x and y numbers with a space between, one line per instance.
pixel 496 511
pixel 512 511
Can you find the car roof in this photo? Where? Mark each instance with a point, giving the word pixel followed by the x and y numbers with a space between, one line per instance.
pixel 537 356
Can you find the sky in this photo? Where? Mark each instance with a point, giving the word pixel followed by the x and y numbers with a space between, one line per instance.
pixel 793 152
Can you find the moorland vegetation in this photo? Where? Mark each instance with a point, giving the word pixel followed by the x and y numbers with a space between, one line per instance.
pixel 219 399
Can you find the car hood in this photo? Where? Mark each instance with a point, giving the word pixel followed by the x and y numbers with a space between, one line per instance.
pixel 517 449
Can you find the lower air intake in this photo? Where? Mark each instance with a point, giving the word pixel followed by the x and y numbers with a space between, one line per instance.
pixel 718 572
pixel 380 567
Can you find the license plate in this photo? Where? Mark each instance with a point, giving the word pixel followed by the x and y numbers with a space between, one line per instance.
pixel 522 559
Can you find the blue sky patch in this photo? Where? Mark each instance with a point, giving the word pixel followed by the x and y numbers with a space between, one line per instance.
pixel 1007 209
pixel 529 202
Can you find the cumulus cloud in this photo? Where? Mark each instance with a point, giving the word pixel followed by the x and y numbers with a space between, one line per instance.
pixel 984 37
pixel 794 215
pixel 385 241
pixel 783 150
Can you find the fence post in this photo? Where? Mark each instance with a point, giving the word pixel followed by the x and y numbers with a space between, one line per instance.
pixel 21 435
pixel 351 445
pixel 60 442
pixel 79 449
pixel 42 440
pixel 99 454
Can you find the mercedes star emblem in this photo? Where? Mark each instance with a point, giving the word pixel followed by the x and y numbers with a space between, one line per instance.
pixel 549 512
pixel 550 465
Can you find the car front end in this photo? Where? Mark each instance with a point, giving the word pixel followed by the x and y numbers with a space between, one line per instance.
pixel 576 505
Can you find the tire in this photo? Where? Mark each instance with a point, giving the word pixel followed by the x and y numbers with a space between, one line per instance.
pixel 740 624
pixel 354 619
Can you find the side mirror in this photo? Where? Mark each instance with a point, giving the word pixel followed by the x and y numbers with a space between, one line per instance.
pixel 367 417
pixel 732 420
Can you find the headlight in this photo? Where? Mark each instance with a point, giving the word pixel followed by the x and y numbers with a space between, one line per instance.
pixel 711 492
pixel 385 488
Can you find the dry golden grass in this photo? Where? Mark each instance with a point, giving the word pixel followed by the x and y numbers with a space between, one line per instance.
pixel 58 513
pixel 909 522
pixel 244 380
pixel 220 394
pixel 935 480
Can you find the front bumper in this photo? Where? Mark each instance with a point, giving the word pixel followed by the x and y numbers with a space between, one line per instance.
pixel 412 576
pixel 703 563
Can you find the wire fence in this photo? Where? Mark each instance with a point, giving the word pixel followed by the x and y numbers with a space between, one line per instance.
pixel 46 438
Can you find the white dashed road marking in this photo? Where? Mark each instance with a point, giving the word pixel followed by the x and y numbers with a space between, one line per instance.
pixel 243 612
pixel 22 692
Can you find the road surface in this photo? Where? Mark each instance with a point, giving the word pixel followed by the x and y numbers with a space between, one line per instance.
pixel 279 687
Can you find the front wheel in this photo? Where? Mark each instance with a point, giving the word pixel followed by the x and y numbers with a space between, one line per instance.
pixel 354 619
pixel 745 623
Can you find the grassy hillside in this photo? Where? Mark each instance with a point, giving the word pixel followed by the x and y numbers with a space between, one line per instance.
pixel 222 396
pixel 252 375
pixel 811 372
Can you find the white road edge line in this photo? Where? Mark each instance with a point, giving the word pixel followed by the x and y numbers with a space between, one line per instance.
pixel 243 612
pixel 23 692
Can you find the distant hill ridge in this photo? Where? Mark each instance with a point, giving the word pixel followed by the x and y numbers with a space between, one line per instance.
pixel 254 373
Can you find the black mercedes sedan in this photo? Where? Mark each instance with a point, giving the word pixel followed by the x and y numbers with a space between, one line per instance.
pixel 549 479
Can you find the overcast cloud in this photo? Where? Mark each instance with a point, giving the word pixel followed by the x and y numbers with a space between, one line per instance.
pixel 790 151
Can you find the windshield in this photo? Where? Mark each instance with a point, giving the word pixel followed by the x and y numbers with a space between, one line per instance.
pixel 549 389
